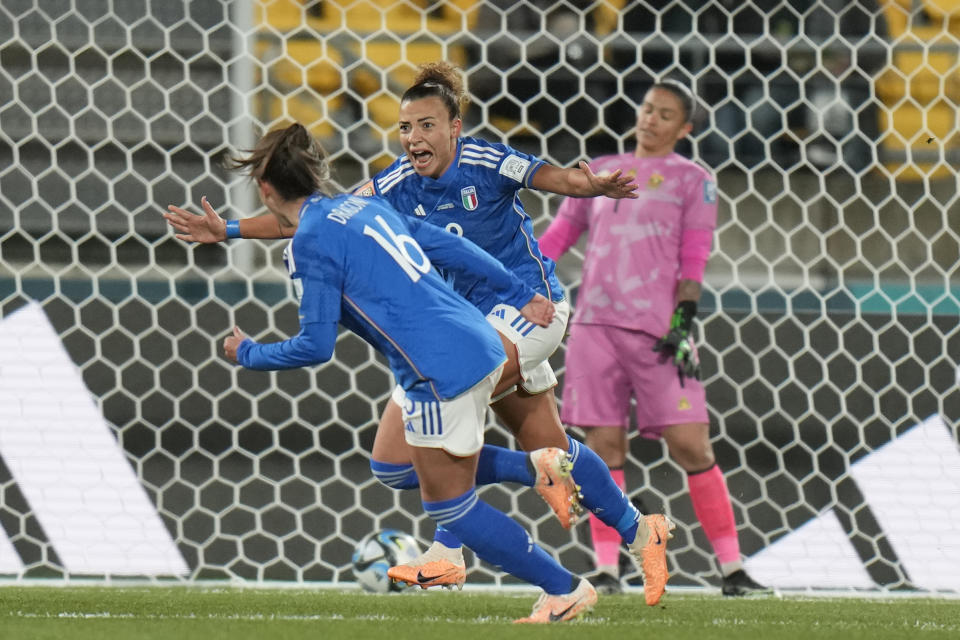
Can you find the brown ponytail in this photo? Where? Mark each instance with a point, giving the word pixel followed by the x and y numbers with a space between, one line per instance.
pixel 291 160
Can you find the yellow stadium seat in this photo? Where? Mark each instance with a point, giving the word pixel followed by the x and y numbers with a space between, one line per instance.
pixel 401 38
pixel 915 124
pixel 398 16
pixel 283 15
pixel 941 9
pixel 400 61
pixel 921 89
pixel 307 111
pixel 310 62
pixel 917 73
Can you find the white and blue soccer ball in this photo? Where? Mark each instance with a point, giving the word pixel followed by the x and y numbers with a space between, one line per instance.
pixel 376 553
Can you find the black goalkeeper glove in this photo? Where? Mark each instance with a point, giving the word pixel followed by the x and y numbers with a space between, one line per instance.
pixel 679 343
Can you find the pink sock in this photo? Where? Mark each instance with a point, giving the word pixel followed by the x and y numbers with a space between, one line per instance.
pixel 711 503
pixel 606 540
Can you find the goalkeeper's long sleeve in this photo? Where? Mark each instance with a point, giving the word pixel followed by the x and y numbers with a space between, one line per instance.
pixel 559 237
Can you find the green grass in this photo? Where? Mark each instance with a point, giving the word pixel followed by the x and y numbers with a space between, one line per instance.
pixel 184 613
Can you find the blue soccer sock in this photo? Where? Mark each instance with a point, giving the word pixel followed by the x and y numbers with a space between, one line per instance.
pixel 500 541
pixel 497 464
pixel 396 476
pixel 446 538
pixel 601 495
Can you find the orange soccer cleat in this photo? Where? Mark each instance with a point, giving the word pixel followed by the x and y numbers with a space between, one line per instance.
pixel 555 484
pixel 563 607
pixel 649 548
pixel 438 566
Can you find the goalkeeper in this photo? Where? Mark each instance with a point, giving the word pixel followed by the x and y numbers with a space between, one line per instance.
pixel 633 331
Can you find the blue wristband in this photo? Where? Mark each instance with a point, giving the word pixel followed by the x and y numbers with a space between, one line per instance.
pixel 233 229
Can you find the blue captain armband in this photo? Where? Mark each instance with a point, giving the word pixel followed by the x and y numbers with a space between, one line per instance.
pixel 233 229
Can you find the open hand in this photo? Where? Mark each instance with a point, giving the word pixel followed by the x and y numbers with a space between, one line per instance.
pixel 615 185
pixel 208 228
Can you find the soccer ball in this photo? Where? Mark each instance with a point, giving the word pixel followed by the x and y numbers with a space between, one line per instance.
pixel 376 553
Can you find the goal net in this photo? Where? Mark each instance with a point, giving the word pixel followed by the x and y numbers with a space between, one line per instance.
pixel 129 447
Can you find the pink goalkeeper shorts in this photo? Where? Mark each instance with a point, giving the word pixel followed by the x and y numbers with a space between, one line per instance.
pixel 607 366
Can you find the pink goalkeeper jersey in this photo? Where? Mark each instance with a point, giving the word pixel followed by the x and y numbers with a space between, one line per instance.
pixel 632 261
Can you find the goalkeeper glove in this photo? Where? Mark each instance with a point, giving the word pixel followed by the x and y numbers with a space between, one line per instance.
pixel 679 343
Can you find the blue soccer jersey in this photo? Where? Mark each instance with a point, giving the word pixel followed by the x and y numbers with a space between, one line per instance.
pixel 478 198
pixel 358 262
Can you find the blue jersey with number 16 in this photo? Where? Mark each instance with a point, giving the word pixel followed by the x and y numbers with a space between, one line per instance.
pixel 358 262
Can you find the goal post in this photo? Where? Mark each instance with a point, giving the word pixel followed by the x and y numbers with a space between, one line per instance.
pixel 829 338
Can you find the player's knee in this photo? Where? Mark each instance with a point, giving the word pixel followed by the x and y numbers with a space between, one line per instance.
pixel 395 476
pixel 694 459
pixel 610 443
pixel 689 446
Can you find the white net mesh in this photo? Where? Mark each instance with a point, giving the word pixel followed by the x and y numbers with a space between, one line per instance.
pixel 829 319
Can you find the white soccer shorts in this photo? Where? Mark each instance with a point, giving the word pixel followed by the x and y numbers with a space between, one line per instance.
pixel 455 425
pixel 534 343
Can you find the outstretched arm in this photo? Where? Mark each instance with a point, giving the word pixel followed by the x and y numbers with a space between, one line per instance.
pixel 313 345
pixel 209 227
pixel 583 182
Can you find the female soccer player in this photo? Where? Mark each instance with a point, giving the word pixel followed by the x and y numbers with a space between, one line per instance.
pixel 470 187
pixel 642 271
pixel 357 262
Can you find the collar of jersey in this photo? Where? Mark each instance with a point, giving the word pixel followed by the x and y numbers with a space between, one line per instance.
pixel 449 175
pixel 306 203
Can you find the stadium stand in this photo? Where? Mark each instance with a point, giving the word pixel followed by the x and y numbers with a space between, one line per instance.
pixel 921 87
pixel 357 55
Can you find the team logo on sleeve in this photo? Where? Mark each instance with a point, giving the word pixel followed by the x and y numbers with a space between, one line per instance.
pixel 709 191
pixel 365 190
pixel 468 195
pixel 514 167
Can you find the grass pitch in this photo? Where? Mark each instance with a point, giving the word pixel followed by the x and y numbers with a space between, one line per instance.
pixel 184 613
